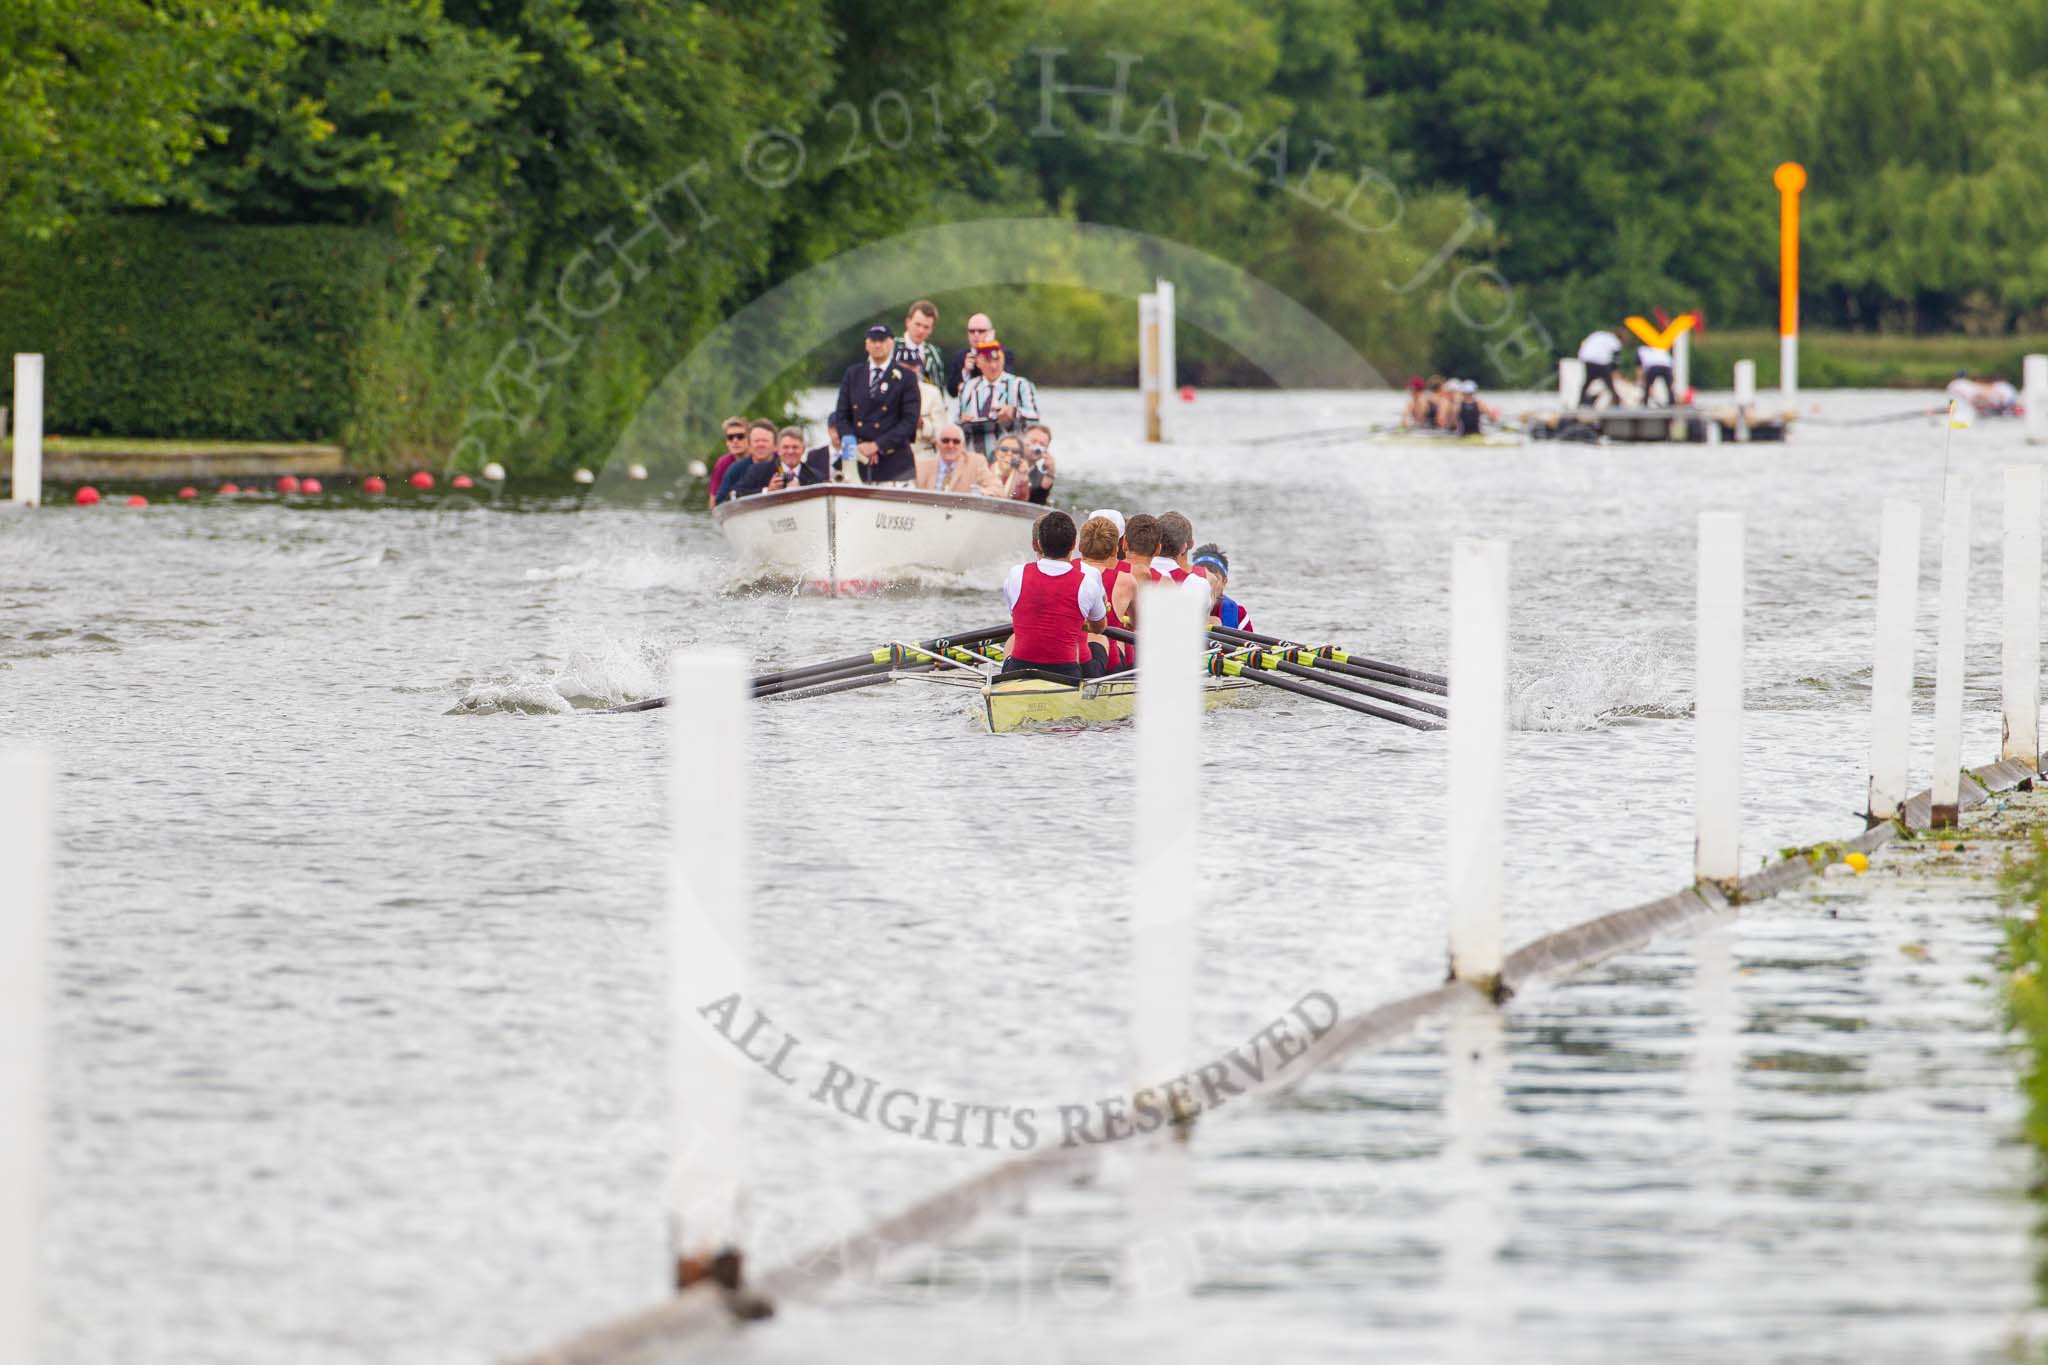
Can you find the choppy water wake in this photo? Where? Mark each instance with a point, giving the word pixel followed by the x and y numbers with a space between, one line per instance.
pixel 1589 691
pixel 605 673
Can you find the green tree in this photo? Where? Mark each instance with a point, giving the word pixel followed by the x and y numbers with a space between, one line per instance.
pixel 101 100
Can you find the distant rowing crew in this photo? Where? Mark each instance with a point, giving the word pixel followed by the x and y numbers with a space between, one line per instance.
pixel 1072 609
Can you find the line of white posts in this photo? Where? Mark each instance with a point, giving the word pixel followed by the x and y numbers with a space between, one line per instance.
pixel 709 873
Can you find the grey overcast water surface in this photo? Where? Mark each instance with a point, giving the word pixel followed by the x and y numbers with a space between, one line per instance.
pixel 357 958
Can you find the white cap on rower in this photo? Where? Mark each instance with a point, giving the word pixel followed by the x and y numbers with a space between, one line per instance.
pixel 1109 514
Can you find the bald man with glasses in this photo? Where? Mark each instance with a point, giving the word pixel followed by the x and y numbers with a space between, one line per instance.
pixel 962 369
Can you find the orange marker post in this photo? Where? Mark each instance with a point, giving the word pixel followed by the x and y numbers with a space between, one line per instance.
pixel 1790 178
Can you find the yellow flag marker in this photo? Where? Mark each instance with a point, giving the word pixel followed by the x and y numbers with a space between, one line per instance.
pixel 1650 336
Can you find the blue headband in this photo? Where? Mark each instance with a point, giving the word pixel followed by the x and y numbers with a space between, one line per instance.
pixel 1215 562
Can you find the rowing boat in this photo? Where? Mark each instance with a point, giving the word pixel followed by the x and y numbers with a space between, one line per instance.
pixel 1427 436
pixel 1011 702
pixel 847 539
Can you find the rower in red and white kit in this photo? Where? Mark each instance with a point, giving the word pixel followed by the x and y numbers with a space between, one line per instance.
pixel 1176 539
pixel 1054 604
pixel 1099 547
pixel 1141 543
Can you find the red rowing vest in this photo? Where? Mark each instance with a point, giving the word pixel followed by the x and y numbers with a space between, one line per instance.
pixel 1119 652
pixel 1047 618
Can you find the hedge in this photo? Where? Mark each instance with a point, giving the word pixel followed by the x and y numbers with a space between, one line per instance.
pixel 174 327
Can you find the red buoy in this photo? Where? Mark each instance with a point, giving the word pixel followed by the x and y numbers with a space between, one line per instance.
pixel 137 500
pixel 288 484
pixel 422 480
pixel 1187 393
pixel 228 490
pixel 462 481
pixel 310 486
pixel 188 491
pixel 373 484
pixel 87 496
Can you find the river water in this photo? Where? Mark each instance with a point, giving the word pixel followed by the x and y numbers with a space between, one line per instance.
pixel 358 971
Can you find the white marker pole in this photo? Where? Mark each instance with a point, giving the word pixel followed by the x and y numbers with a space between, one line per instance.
pixel 1571 378
pixel 1168 837
pixel 28 430
pixel 2021 655
pixel 1717 707
pixel 1891 674
pixel 1148 362
pixel 1945 788
pixel 1788 370
pixel 1166 902
pixel 1745 396
pixel 1168 376
pixel 2034 393
pixel 25 792
pixel 1681 365
pixel 708 889
pixel 1478 706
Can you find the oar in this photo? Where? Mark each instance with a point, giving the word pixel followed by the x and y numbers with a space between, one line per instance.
pixel 1336 655
pixel 1238 668
pixel 880 655
pixel 822 689
pixel 832 670
pixel 1322 434
pixel 1309 657
pixel 1877 421
pixel 1277 661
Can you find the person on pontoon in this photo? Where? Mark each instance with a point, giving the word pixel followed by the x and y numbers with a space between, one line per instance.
pixel 1652 364
pixel 1055 604
pixel 1598 353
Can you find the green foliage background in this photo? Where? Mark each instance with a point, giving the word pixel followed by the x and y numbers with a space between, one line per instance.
pixel 353 208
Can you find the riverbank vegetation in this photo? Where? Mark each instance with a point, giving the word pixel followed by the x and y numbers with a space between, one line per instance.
pixel 452 230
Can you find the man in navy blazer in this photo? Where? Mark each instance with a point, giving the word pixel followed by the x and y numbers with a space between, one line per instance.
pixel 878 408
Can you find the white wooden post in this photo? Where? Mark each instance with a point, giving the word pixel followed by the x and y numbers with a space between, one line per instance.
pixel 1165 905
pixel 1946 786
pixel 2021 654
pixel 708 890
pixel 1168 375
pixel 1571 377
pixel 1788 370
pixel 2034 394
pixel 1681 365
pixel 25 797
pixel 1745 397
pixel 1477 751
pixel 1168 848
pixel 1148 362
pixel 1475 1216
pixel 1891 674
pixel 1717 707
pixel 28 430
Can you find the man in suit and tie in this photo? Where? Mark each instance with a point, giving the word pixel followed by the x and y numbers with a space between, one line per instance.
pixel 958 469
pixel 791 467
pixel 878 408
